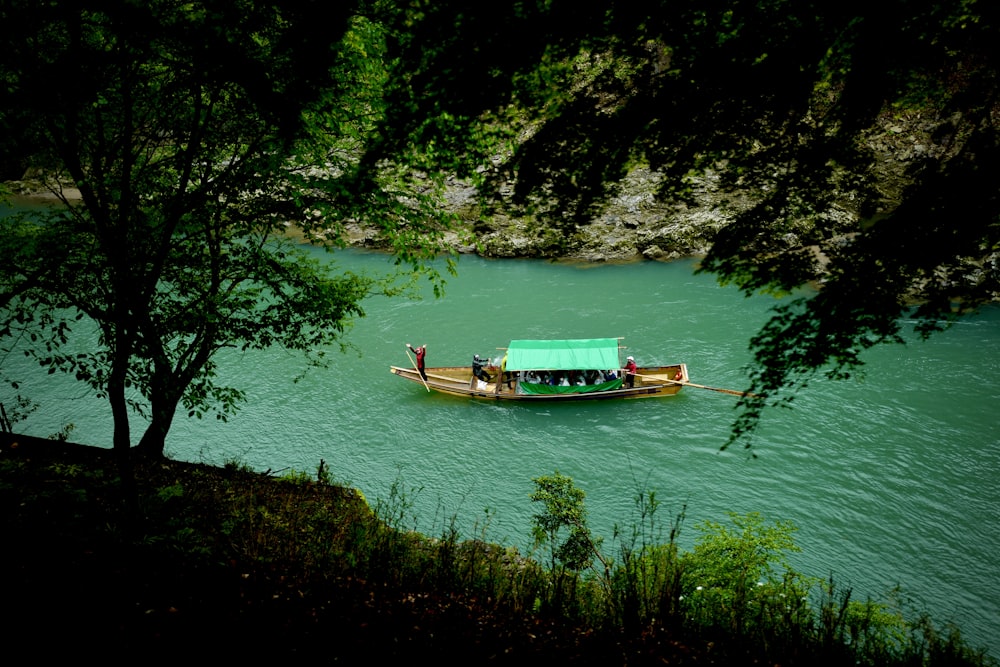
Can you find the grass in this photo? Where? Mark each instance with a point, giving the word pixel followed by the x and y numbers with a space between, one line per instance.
pixel 227 562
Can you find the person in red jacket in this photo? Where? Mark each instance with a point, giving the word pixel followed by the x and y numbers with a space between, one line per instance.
pixel 421 352
pixel 630 369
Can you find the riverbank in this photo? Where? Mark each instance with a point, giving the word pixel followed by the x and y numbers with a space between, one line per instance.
pixel 223 562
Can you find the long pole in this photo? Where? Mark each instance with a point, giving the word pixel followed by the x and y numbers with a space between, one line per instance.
pixel 724 391
pixel 419 374
pixel 699 386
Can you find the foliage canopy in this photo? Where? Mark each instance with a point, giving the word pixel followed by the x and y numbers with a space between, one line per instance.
pixel 198 135
pixel 196 131
pixel 786 101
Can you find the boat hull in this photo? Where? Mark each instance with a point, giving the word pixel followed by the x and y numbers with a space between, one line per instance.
pixel 651 382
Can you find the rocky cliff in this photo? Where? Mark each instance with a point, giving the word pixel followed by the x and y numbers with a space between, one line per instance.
pixel 635 225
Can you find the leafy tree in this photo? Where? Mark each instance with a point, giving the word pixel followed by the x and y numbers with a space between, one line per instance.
pixel 731 571
pixel 198 134
pixel 562 526
pixel 563 509
pixel 784 100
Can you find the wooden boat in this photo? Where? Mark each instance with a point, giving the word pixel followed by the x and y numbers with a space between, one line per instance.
pixel 526 370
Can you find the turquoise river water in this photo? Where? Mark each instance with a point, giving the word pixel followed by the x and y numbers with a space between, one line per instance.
pixel 890 477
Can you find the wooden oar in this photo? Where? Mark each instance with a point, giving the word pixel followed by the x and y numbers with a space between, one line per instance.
pixel 419 374
pixel 724 391
pixel 697 386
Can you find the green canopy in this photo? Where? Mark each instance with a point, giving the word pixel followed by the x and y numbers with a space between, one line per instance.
pixel 565 355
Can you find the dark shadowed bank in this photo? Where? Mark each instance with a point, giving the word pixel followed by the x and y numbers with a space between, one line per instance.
pixel 229 563
pixel 175 577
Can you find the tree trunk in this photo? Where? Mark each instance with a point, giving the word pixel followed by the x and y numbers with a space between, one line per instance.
pixel 122 441
pixel 153 441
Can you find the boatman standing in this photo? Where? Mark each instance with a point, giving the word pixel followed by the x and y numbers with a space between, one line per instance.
pixel 630 369
pixel 420 352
